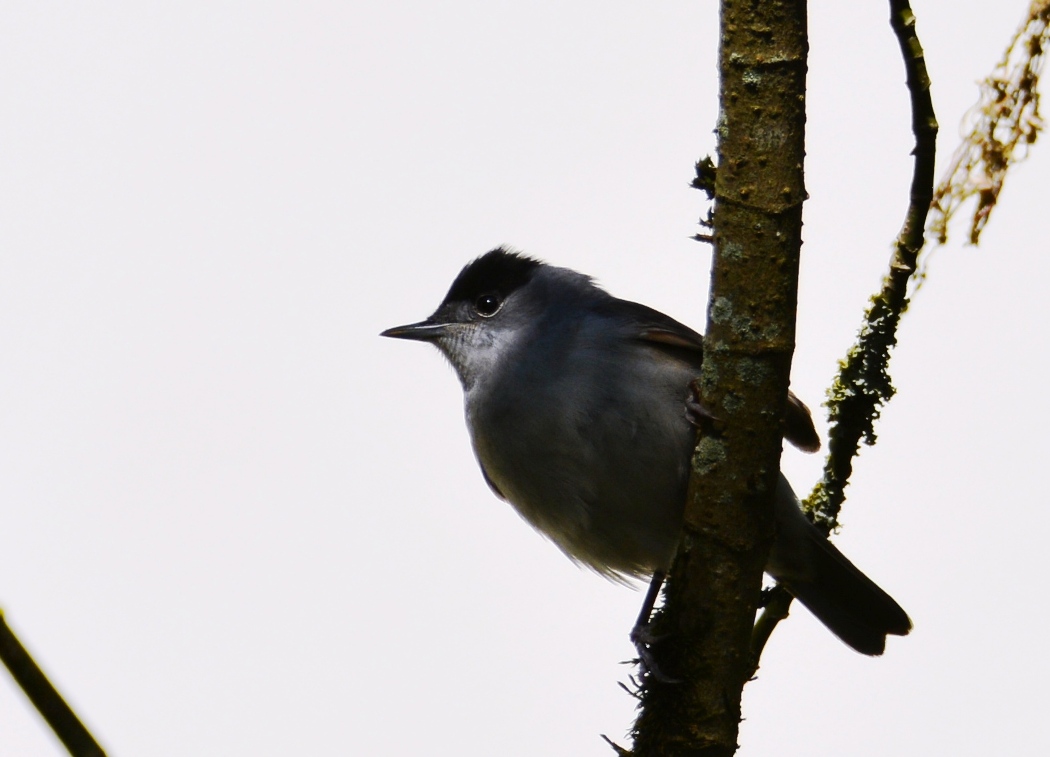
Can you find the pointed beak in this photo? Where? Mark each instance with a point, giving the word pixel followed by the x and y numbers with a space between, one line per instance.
pixel 424 331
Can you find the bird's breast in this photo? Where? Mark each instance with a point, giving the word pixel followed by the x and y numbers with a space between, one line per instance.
pixel 601 473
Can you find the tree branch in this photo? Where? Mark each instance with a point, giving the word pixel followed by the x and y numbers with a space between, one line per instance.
pixel 863 385
pixel 715 582
pixel 48 702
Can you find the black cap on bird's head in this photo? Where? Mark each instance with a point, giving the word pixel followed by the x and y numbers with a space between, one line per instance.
pixel 483 285
pixel 499 272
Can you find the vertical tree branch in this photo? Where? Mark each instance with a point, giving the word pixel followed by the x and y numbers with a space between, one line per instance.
pixel 715 583
pixel 863 385
pixel 48 702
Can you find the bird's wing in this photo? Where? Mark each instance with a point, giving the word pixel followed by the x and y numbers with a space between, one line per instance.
pixel 682 342
pixel 653 326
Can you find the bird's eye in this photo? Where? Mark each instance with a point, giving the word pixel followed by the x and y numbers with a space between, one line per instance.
pixel 487 304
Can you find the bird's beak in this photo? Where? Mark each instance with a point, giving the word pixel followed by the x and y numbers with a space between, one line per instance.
pixel 424 331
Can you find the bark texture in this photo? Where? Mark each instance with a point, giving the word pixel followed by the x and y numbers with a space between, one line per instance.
pixel 715 583
pixel 863 384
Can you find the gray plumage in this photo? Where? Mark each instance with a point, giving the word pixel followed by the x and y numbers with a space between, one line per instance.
pixel 575 402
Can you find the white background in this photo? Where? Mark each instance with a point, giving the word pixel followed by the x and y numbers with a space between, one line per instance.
pixel 235 521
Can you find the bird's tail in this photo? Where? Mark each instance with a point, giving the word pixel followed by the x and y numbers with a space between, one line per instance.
pixel 845 600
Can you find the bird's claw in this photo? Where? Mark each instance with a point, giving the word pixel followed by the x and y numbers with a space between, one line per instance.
pixel 697 413
pixel 767 594
pixel 644 640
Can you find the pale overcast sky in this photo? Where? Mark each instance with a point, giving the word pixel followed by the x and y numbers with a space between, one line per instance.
pixel 236 521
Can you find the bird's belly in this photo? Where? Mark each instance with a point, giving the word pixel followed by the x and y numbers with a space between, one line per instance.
pixel 607 490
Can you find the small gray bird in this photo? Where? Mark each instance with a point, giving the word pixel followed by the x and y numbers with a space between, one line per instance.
pixel 575 402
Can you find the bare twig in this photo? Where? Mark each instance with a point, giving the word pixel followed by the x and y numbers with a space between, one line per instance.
pixel 48 702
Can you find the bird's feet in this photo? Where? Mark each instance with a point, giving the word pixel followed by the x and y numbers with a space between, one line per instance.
pixel 699 414
pixel 768 592
pixel 644 642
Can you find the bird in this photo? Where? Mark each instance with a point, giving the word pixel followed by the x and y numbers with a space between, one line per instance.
pixel 577 406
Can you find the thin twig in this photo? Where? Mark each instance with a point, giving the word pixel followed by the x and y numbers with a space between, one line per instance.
pixel 48 702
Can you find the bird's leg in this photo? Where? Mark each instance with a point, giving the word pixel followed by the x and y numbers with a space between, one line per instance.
pixel 649 603
pixel 697 413
pixel 642 636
